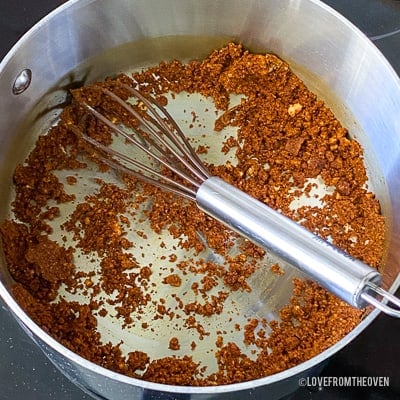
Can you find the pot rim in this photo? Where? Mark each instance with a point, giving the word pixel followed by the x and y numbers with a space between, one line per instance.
pixel 23 318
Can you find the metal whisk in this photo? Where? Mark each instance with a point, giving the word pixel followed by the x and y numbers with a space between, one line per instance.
pixel 161 140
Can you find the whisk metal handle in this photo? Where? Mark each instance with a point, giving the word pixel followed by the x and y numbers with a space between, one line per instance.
pixel 343 275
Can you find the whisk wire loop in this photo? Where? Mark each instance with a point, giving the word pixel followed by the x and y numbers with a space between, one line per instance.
pixel 177 143
pixel 176 133
pixel 163 182
pixel 159 137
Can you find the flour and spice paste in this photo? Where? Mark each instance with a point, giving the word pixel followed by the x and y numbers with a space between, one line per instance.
pixel 153 264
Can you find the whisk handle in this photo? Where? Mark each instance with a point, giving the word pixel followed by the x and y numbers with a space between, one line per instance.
pixel 332 268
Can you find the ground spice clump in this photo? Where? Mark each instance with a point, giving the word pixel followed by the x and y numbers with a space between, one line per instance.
pixel 286 138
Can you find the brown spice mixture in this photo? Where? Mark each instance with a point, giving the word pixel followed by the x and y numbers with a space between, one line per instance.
pixel 285 136
pixel 54 262
pixel 173 280
pixel 174 344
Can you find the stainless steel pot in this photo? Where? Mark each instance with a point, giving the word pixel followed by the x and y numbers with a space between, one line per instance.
pixel 72 45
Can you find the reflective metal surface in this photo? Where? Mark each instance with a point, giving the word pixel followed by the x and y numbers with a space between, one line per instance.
pixel 333 269
pixel 319 40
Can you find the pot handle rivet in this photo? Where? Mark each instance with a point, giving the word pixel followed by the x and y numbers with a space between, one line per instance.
pixel 22 81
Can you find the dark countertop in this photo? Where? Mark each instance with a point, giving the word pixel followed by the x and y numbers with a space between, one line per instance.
pixel 25 373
